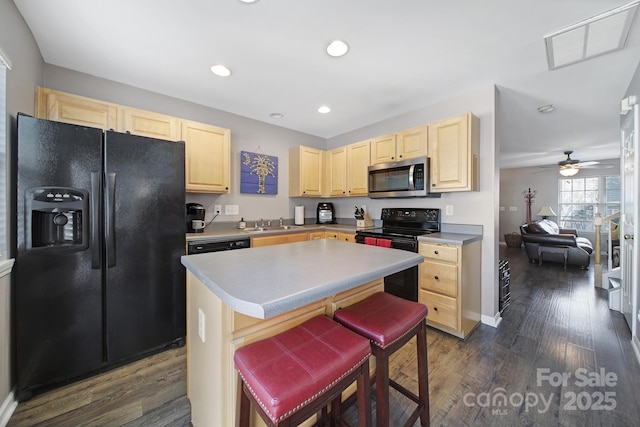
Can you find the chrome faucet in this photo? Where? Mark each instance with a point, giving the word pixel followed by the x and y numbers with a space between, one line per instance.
pixel 261 222
pixel 281 224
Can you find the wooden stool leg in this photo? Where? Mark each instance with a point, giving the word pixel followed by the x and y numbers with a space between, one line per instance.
pixel 423 372
pixel 382 386
pixel 245 406
pixel 364 396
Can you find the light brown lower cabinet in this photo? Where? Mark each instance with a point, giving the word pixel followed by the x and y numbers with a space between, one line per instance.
pixel 278 239
pixel 449 285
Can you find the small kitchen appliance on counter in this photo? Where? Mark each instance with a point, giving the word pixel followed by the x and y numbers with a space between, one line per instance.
pixel 195 218
pixel 325 214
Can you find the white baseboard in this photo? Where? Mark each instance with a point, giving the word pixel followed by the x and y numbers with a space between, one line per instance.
pixel 6 410
pixel 635 343
pixel 491 321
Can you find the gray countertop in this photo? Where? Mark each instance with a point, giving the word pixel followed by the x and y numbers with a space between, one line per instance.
pixel 265 281
pixel 222 234
pixel 450 238
pixel 219 235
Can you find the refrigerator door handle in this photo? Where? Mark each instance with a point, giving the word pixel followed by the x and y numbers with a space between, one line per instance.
pixel 95 220
pixel 110 211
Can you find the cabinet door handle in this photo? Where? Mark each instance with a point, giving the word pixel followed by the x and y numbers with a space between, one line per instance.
pixel 436 277
pixel 435 252
pixel 435 308
pixel 628 237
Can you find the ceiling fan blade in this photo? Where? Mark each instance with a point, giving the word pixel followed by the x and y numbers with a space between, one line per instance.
pixel 591 163
pixel 598 166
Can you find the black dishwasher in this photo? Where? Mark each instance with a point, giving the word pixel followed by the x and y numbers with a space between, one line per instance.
pixel 202 246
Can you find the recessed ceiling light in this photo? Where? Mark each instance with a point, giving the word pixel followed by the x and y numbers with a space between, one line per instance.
pixel 324 109
pixel 337 48
pixel 546 108
pixel 220 70
pixel 249 1
pixel 276 115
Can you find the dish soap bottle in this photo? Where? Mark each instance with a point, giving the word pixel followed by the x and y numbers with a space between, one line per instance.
pixel 242 225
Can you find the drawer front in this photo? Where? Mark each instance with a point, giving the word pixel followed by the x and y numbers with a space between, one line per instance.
pixel 443 310
pixel 439 252
pixel 440 278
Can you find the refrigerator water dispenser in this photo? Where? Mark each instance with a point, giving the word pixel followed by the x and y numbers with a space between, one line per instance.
pixel 56 219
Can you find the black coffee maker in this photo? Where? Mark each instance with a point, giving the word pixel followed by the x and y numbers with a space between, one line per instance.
pixel 195 218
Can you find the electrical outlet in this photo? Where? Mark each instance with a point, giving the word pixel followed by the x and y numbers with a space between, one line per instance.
pixel 449 210
pixel 502 209
pixel 201 322
pixel 231 210
pixel 513 208
pixel 217 209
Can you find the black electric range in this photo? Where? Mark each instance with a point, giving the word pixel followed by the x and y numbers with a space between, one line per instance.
pixel 400 229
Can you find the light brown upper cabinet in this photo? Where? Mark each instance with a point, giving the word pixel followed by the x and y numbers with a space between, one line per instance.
pixel 401 145
pixel 336 172
pixel 346 172
pixel 77 110
pixel 148 123
pixel 305 171
pixel 454 145
pixel 358 155
pixel 207 157
pixel 207 147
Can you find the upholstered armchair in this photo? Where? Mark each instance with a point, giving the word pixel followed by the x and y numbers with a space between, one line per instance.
pixel 547 233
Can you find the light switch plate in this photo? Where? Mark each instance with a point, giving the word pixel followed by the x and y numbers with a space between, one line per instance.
pixel 201 322
pixel 231 210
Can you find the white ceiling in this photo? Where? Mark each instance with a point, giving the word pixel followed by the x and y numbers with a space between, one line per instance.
pixel 404 55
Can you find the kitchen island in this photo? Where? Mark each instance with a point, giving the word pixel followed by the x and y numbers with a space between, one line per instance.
pixel 238 297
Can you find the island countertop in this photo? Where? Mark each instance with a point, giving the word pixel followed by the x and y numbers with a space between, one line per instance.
pixel 266 281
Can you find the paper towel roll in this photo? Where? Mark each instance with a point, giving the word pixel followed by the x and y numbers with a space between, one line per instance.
pixel 299 215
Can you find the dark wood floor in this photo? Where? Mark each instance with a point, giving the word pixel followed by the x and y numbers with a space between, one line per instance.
pixel 557 323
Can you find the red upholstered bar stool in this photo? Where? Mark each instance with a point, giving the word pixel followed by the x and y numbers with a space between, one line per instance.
pixel 295 374
pixel 389 322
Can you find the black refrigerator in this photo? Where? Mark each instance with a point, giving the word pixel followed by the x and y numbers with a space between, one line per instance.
pixel 100 231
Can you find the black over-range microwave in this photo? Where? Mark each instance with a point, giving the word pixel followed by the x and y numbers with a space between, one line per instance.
pixel 406 178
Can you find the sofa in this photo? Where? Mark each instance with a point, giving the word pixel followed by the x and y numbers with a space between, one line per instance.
pixel 547 233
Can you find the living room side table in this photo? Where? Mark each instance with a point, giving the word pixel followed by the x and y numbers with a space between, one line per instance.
pixel 564 250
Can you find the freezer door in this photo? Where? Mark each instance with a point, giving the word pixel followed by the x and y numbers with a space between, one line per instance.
pixel 145 238
pixel 58 293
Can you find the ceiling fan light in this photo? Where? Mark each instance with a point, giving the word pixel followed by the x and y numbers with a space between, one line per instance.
pixel 569 170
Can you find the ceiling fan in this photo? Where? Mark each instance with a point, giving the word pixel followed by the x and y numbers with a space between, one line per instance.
pixel 570 167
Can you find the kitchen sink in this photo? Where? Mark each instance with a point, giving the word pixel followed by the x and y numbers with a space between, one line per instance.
pixel 272 228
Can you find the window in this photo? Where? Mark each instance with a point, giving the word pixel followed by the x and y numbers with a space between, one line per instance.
pixel 580 198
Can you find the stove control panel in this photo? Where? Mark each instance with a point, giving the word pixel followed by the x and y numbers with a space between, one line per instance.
pixel 410 215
